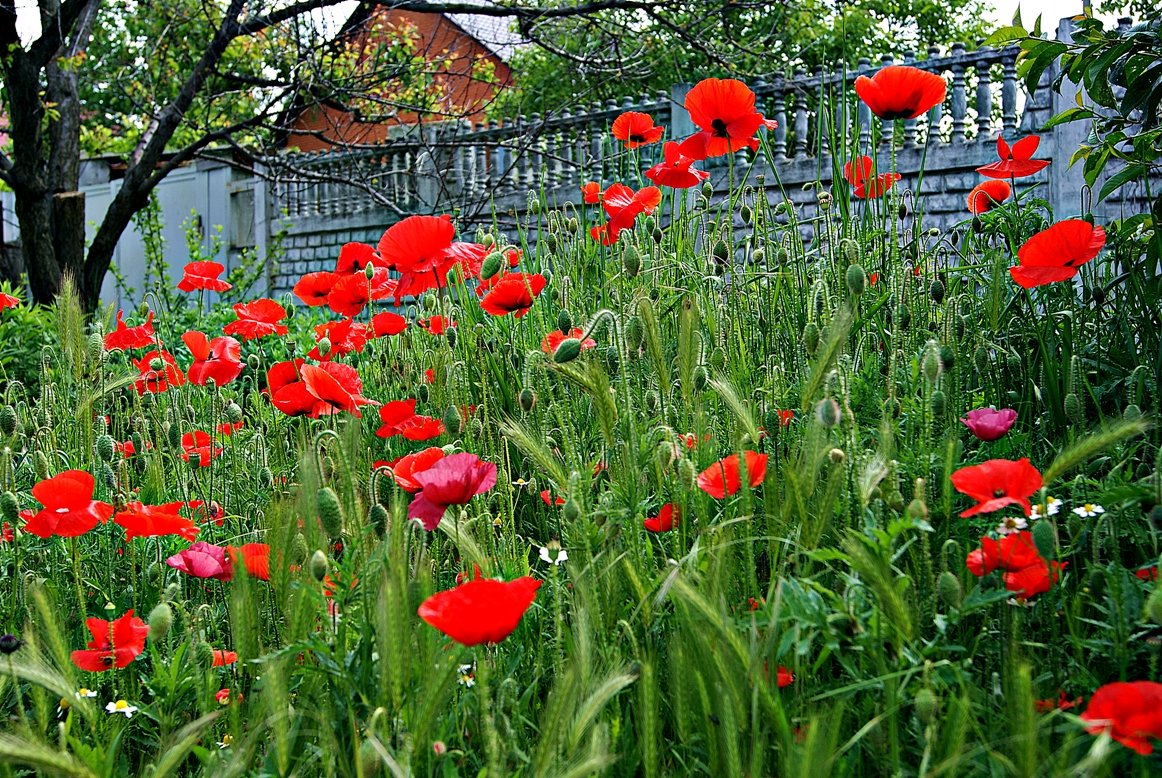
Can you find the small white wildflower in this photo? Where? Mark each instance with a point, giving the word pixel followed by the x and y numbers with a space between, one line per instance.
pixel 467 677
pixel 553 553
pixel 123 707
pixel 1011 524
pixel 83 692
pixel 226 741
pixel 1089 510
pixel 1052 505
pixel 1019 603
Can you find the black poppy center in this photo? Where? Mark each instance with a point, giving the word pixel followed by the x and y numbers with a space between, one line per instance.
pixel 719 127
pixel 637 138
pixel 998 493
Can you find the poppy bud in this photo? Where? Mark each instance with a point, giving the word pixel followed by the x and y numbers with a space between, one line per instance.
pixel 653 401
pixel 930 364
pixel 824 199
pixel 330 511
pixel 1132 413
pixel 936 291
pixel 708 190
pixel 980 358
pixel 551 242
pixel 718 358
pixel 939 403
pixel 657 235
pixel 157 363
pixel 902 212
pixel 299 549
pixel 977 225
pixel 631 261
pixel 204 655
pixel 745 213
pixel 266 477
pixel 759 255
pixel 572 225
pixel 42 466
pixel 665 454
pixel 422 393
pixel 687 473
pixel 1013 363
pixel 701 378
pixel 856 280
pixel 318 565
pixel 138 442
pixel 836 456
pixel 1099 295
pixel 926 705
pixel 7 420
pixel 106 448
pixel 612 360
pixel 903 316
pixel 1154 606
pixel 1089 218
pixel 9 507
pixel 527 399
pixel 565 321
pixel 451 337
pixel 567 351
pixel 811 337
pixel 571 510
pixel 173 434
pixel 160 620
pixel 491 265
pixel 533 204
pixel 254 361
pixel 949 588
pixel 96 348
pixel 328 468
pixel 232 412
pixel 1044 538
pixel 827 412
pixel 486 239
pixel 439 748
pixel 780 208
pixel 10 644
pixel 635 333
pixel 377 517
pixel 429 302
pixel 324 344
pixel 947 357
pixel 452 420
pixel 1073 407
pixel 721 252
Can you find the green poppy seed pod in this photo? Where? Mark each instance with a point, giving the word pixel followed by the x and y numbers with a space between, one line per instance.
pixel 1044 539
pixel 947 357
pixel 173 434
pixel 571 510
pixel 824 199
pixel 552 243
pixel 721 252
pixel 95 348
pixel 533 205
pixel 422 393
pixel 572 225
pixel 926 705
pixel 1154 606
pixel 491 265
pixel 42 466
pixel 324 344
pixel 707 190
pixel 330 511
pixel 452 420
pixel 160 620
pixel 850 250
pixel 701 378
pixel 917 509
pixel 902 211
pixel 827 412
pixel 635 333
pixel 1013 363
pixel 232 412
pixel 565 322
pixel 746 214
pixel 949 589
pixel 157 363
pixel 653 401
pixel 265 477
pixel 718 358
pixel 980 358
pixel 567 351
pixel 1132 413
pixel 204 655
pixel 429 302
pixel 649 223
pixel 631 261
pixel 1088 217
pixel 856 280
pixel 7 420
pixel 106 448
pixel 780 208
pixel 811 337
pixel 657 235
pixel 377 518
pixel 930 365
pixel 936 291
pixel 527 399
pixel 665 453
pixel 318 565
pixel 9 506
pixel 687 473
pixel 939 403
pixel 1073 408
pixel 759 255
pixel 451 336
pixel 612 360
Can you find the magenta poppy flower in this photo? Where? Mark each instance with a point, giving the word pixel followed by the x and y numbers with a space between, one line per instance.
pixel 454 480
pixel 989 424
pixel 203 560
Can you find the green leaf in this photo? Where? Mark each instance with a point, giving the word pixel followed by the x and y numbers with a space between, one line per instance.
pixel 1119 179
pixel 1069 115
pixel 1006 35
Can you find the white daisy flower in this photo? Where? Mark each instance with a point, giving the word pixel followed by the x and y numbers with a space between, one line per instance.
pixel 226 741
pixel 83 692
pixel 121 706
pixel 467 677
pixel 1089 510
pixel 1052 508
pixel 553 553
pixel 1011 524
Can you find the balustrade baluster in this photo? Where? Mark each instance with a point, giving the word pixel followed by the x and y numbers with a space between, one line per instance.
pixel 888 126
pixel 959 100
pixel 779 108
pixel 910 124
pixel 1009 93
pixel 936 114
pixel 984 102
pixel 800 115
pixel 862 112
pixel 822 111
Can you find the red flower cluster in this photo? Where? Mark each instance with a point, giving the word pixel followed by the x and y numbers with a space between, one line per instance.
pixel 114 644
pixel 399 418
pixel 623 205
pixel 257 319
pixel 1130 712
pixel 127 338
pixel 860 173
pixel 724 477
pixel 300 389
pixel 1027 573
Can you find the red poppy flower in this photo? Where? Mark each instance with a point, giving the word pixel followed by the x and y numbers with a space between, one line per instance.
pixel 623 206
pixel 481 610
pixel 386 324
pixel 901 92
pixel 591 193
pixel 454 480
pixel 1131 712
pixel 1015 162
pixel 203 560
pixel 987 194
pixel 675 169
pixel 514 294
pixel 286 391
pixel 160 380
pixel 554 339
pixel 724 110
pixel 1147 573
pixel 784 677
pixel 8 301
pixel 114 644
pixel 354 257
pixel 126 338
pixel 785 418
pixel 996 484
pixel 69 508
pixel 668 518
pixel 199 444
pixel 1035 579
pixel 1011 553
pixel 223 657
pixel 346 336
pixel 1061 703
pixel 436 325
pixel 429 376
pixel 351 294
pixel 399 418
pixel 860 173
pixel 219 359
pixel 313 288
pixel 149 521
pixel 255 557
pixel 405 468
pixel 635 129
pixel 548 499
pixel 257 319
pixel 417 248
pixel 1056 254
pixel 335 387
pixel 7 534
pixel 724 477
pixel 203 275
